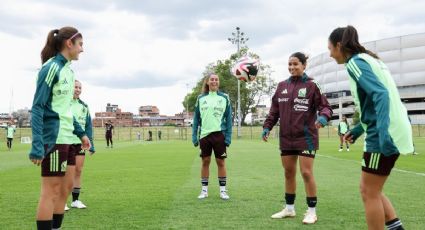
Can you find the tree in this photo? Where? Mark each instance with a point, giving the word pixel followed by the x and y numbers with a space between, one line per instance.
pixel 252 93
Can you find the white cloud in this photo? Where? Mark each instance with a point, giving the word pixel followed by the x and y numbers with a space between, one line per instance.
pixel 138 53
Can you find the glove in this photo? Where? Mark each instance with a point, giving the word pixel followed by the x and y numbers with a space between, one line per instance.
pixel 195 141
pixel 265 134
pixel 227 141
pixel 322 120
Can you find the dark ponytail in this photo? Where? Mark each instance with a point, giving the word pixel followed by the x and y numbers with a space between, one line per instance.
pixel 55 41
pixel 349 40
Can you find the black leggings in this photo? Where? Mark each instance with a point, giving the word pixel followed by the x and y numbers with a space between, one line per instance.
pixel 9 143
pixel 108 139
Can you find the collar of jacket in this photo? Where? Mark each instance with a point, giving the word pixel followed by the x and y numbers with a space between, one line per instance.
pixel 302 78
pixel 62 59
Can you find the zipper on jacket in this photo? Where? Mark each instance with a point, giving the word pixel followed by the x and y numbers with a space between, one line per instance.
pixel 290 110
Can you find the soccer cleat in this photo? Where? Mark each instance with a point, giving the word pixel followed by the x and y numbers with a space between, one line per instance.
pixel 284 213
pixel 66 207
pixel 78 204
pixel 203 195
pixel 340 150
pixel 310 218
pixel 348 150
pixel 224 195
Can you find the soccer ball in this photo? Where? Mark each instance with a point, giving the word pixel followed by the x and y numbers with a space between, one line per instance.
pixel 245 69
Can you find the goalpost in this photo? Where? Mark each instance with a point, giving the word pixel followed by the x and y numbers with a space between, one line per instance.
pixel 25 140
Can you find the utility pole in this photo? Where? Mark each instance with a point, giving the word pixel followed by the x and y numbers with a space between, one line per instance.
pixel 238 38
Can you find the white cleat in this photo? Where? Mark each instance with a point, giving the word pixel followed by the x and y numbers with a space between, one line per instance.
pixel 348 150
pixel 340 150
pixel 66 207
pixel 78 204
pixel 310 218
pixel 203 195
pixel 284 213
pixel 224 196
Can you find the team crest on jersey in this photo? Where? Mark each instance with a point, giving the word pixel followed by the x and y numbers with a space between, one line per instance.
pixel 285 91
pixel 302 92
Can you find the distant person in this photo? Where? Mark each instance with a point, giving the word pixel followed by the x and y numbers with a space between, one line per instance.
pixel 150 135
pixel 159 134
pixel 383 119
pixel 108 133
pixel 213 120
pixel 343 128
pixel 302 108
pixel 53 125
pixel 138 135
pixel 10 130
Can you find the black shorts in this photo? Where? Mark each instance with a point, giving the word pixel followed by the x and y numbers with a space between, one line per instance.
pixel 214 141
pixel 378 163
pixel 303 153
pixel 76 150
pixel 9 139
pixel 57 160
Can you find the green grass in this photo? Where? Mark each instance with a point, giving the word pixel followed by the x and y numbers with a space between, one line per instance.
pixel 154 186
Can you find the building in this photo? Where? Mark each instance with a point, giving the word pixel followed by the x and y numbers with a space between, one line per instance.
pixel 117 117
pixel 5 118
pixel 404 56
pixel 260 114
pixel 111 108
pixel 148 116
pixel 148 111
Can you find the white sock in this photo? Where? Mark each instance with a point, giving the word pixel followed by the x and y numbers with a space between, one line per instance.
pixel 290 207
pixel 222 188
pixel 205 188
pixel 312 210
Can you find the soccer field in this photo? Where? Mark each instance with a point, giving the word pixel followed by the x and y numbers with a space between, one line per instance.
pixel 154 185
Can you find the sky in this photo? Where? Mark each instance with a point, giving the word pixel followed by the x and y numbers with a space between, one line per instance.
pixel 153 52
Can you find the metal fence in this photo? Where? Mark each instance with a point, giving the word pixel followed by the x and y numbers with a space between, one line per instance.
pixel 185 133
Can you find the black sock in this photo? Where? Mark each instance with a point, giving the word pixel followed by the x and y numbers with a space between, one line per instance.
pixel 44 224
pixel 57 220
pixel 222 180
pixel 312 201
pixel 340 146
pixel 289 198
pixel 394 224
pixel 204 181
pixel 75 193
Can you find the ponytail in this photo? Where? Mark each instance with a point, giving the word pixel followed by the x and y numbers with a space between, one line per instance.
pixel 55 41
pixel 349 40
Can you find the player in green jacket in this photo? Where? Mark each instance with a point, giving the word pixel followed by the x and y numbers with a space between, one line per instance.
pixel 81 112
pixel 383 119
pixel 54 126
pixel 10 131
pixel 212 130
